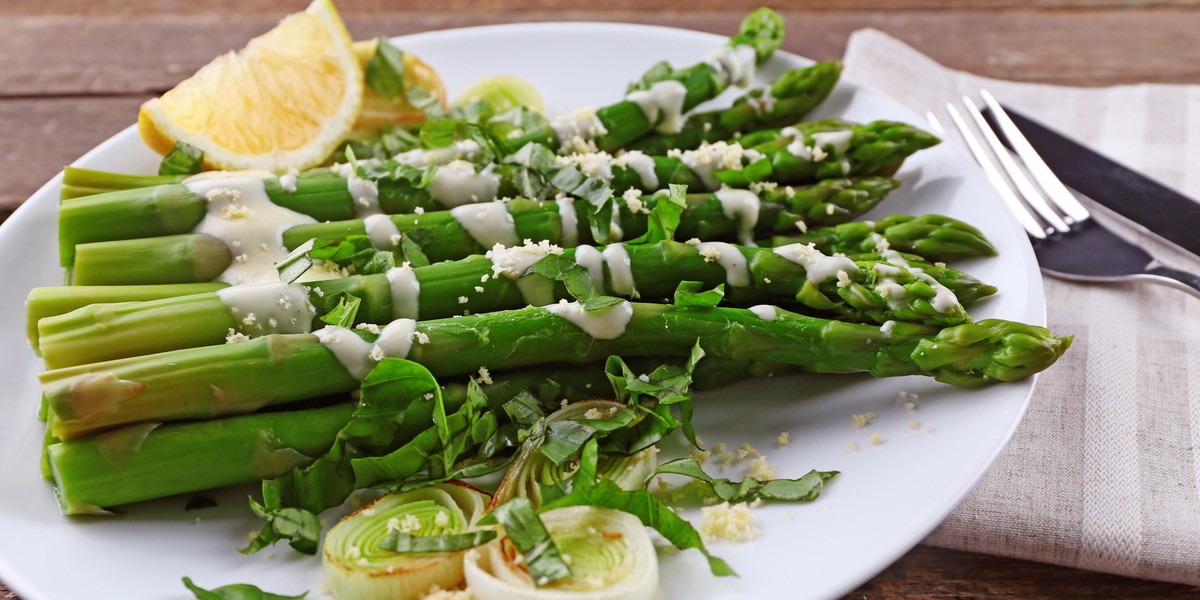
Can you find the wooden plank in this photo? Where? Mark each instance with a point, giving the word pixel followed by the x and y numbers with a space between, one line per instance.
pixel 39 137
pixel 136 8
pixel 42 54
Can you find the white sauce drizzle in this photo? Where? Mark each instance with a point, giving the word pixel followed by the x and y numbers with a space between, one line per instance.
pixel 839 140
pixel 364 193
pixel 406 292
pixel 887 326
pixel 382 231
pixel 240 214
pixel 577 130
pixel 614 224
pixel 457 183
pixel 489 223
pixel 592 261
pixel 620 270
pixel 288 180
pixel 765 312
pixel 639 163
pixel 817 265
pixel 738 61
pixel 269 308
pixel 569 219
pixel 420 158
pixel 359 356
pixel 513 264
pixel 737 272
pixel 604 324
pixel 664 99
pixel 741 206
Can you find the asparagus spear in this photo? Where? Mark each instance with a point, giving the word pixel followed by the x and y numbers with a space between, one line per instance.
pixel 934 237
pixel 442 236
pixel 785 101
pixel 796 277
pixel 760 34
pixel 281 368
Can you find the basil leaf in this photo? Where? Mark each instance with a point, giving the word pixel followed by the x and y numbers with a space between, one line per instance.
pixel 528 533
pixel 296 262
pixel 237 591
pixel 692 293
pixel 404 543
pixel 523 409
pixel 300 527
pixel 384 73
pixel 804 489
pixel 344 313
pixel 183 159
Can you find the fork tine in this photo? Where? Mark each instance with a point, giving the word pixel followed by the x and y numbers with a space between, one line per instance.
pixel 1032 196
pixel 1051 184
pixel 1027 220
pixel 934 123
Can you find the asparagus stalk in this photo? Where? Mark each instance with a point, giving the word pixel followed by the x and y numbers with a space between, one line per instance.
pixel 280 368
pixel 56 300
pixel 79 182
pixel 147 461
pixel 934 237
pixel 785 101
pixel 867 291
pixel 626 121
pixel 442 236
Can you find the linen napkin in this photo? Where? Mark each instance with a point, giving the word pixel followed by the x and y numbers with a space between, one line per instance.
pixel 1104 471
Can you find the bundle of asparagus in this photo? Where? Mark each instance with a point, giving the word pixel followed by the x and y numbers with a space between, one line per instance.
pixel 219 325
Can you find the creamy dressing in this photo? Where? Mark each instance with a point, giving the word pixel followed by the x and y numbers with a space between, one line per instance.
pixel 421 158
pixel 457 183
pixel 741 206
pixel 288 180
pixel 382 231
pixel 604 324
pixel 620 270
pixel 359 356
pixel 269 308
pixel 396 339
pixel 365 193
pixel 488 223
pixel 406 292
pixel 737 272
pixel 638 162
pixel 353 352
pixel 614 224
pixel 765 312
pixel 838 140
pixel 738 61
pixel 569 219
pixel 592 261
pixel 240 214
pixel 887 327
pixel 514 262
pixel 577 130
pixel 664 99
pixel 818 266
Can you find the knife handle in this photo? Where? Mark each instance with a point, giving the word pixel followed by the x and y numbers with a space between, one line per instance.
pixel 1188 282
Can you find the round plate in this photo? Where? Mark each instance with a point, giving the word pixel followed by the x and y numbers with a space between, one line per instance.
pixel 887 498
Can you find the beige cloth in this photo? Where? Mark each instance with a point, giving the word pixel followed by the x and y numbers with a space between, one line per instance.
pixel 1104 472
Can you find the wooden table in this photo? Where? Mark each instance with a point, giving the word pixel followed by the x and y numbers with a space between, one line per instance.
pixel 73 72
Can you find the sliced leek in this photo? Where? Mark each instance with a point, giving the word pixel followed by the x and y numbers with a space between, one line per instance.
pixel 532 468
pixel 357 565
pixel 610 554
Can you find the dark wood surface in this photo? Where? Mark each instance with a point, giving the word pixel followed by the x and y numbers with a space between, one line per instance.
pixel 73 72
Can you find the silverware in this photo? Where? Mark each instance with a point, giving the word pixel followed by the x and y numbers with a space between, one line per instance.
pixel 1068 242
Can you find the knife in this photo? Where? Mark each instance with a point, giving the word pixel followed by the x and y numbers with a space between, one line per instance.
pixel 1156 207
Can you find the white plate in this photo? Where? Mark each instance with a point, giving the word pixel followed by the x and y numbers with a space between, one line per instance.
pixel 887 498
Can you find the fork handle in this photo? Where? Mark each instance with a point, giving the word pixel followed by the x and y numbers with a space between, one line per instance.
pixel 1188 282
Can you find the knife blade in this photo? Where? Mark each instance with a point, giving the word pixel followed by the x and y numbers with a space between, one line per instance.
pixel 1161 210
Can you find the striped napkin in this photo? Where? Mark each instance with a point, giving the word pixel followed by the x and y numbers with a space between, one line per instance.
pixel 1104 472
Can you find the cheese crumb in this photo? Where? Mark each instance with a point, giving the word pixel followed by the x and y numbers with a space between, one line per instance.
pixel 702 455
pixel 725 522
pixel 593 414
pixel 910 406
pixel 376 353
pixel 746 451
pixel 875 439
pixel 441 519
pixel 710 254
pixel 410 523
pixel 760 469
pixel 852 446
pixel 421 337
pixel 843 279
pixel 719 448
pixel 463 300
pixel 437 593
pixel 235 337
pixel 783 439
pixel 914 424
pixel 485 377
pixel 370 327
pixel 863 420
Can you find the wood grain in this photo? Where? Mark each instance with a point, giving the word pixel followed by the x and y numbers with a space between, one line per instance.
pixel 1070 47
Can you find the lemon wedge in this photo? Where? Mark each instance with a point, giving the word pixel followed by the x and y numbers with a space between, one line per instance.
pixel 504 93
pixel 284 101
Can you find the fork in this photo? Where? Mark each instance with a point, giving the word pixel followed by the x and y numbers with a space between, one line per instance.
pixel 1068 242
